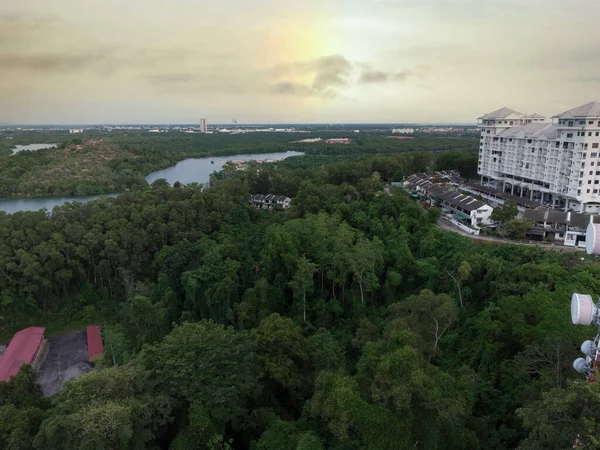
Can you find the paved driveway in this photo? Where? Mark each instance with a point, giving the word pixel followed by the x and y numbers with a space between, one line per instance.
pixel 66 359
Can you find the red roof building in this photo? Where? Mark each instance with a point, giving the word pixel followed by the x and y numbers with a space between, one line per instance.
pixel 23 349
pixel 94 341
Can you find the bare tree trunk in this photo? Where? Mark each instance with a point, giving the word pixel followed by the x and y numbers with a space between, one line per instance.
pixel 457 282
pixel 362 295
pixel 304 300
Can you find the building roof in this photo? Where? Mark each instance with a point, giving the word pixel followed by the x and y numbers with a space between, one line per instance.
pixel 21 350
pixel 537 215
pixel 535 116
pixel 532 130
pixel 555 216
pixel 501 113
pixel 466 202
pixel 497 193
pixel 269 197
pixel 94 341
pixel 591 109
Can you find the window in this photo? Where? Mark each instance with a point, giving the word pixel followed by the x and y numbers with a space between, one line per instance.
pixel 569 135
pixel 580 183
pixel 591 173
pixel 488 131
pixel 592 163
pixel 589 181
pixel 580 174
pixel 585 146
pixel 529 141
pixel 598 172
pixel 587 192
pixel 571 123
pixel 582 122
pixel 590 133
pixel 590 122
pixel 595 191
pixel 579 192
pixel 597 133
pixel 596 181
pixel 594 145
pixel 511 122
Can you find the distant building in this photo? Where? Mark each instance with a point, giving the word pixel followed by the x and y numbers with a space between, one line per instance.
pixel 26 347
pixel 203 126
pixel 403 130
pixel 75 130
pixel 550 162
pixel 342 141
pixel 270 201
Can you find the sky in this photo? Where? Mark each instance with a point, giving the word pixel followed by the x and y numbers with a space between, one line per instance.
pixel 281 61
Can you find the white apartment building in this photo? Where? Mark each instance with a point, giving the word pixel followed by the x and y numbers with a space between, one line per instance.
pixel 555 162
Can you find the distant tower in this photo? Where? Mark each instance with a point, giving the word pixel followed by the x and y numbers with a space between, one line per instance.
pixel 203 126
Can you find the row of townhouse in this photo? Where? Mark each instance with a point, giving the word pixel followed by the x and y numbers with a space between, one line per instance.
pixel 463 208
pixel 567 227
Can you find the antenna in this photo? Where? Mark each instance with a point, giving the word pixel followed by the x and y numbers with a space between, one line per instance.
pixel 584 312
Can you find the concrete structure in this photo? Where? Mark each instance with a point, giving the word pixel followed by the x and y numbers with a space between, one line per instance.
pixel 203 126
pixel 26 347
pixel 270 201
pixel 553 162
pixel 403 130
pixel 75 130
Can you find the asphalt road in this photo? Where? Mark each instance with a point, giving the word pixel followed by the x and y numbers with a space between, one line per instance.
pixel 66 359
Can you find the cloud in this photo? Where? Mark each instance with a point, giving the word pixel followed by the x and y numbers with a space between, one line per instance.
pixel 328 73
pixel 369 76
pixel 46 62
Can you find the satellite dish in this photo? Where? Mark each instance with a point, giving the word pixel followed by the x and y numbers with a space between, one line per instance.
pixel 583 310
pixel 592 239
pixel 581 365
pixel 588 348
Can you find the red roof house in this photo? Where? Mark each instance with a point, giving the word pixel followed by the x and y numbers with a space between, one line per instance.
pixel 94 341
pixel 23 349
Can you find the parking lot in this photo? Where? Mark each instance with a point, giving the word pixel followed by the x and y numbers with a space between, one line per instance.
pixel 66 359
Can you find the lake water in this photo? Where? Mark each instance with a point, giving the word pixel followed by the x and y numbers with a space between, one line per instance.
pixel 31 147
pixel 13 205
pixel 191 170
pixel 198 170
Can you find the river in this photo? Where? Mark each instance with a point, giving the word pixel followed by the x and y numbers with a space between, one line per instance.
pixel 193 170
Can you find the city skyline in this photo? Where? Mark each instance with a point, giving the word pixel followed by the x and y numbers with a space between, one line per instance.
pixel 357 61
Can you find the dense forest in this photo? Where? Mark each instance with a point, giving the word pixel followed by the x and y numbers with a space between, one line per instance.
pixel 349 321
pixel 116 162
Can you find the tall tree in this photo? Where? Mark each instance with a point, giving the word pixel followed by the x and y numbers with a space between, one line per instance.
pixel 303 281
